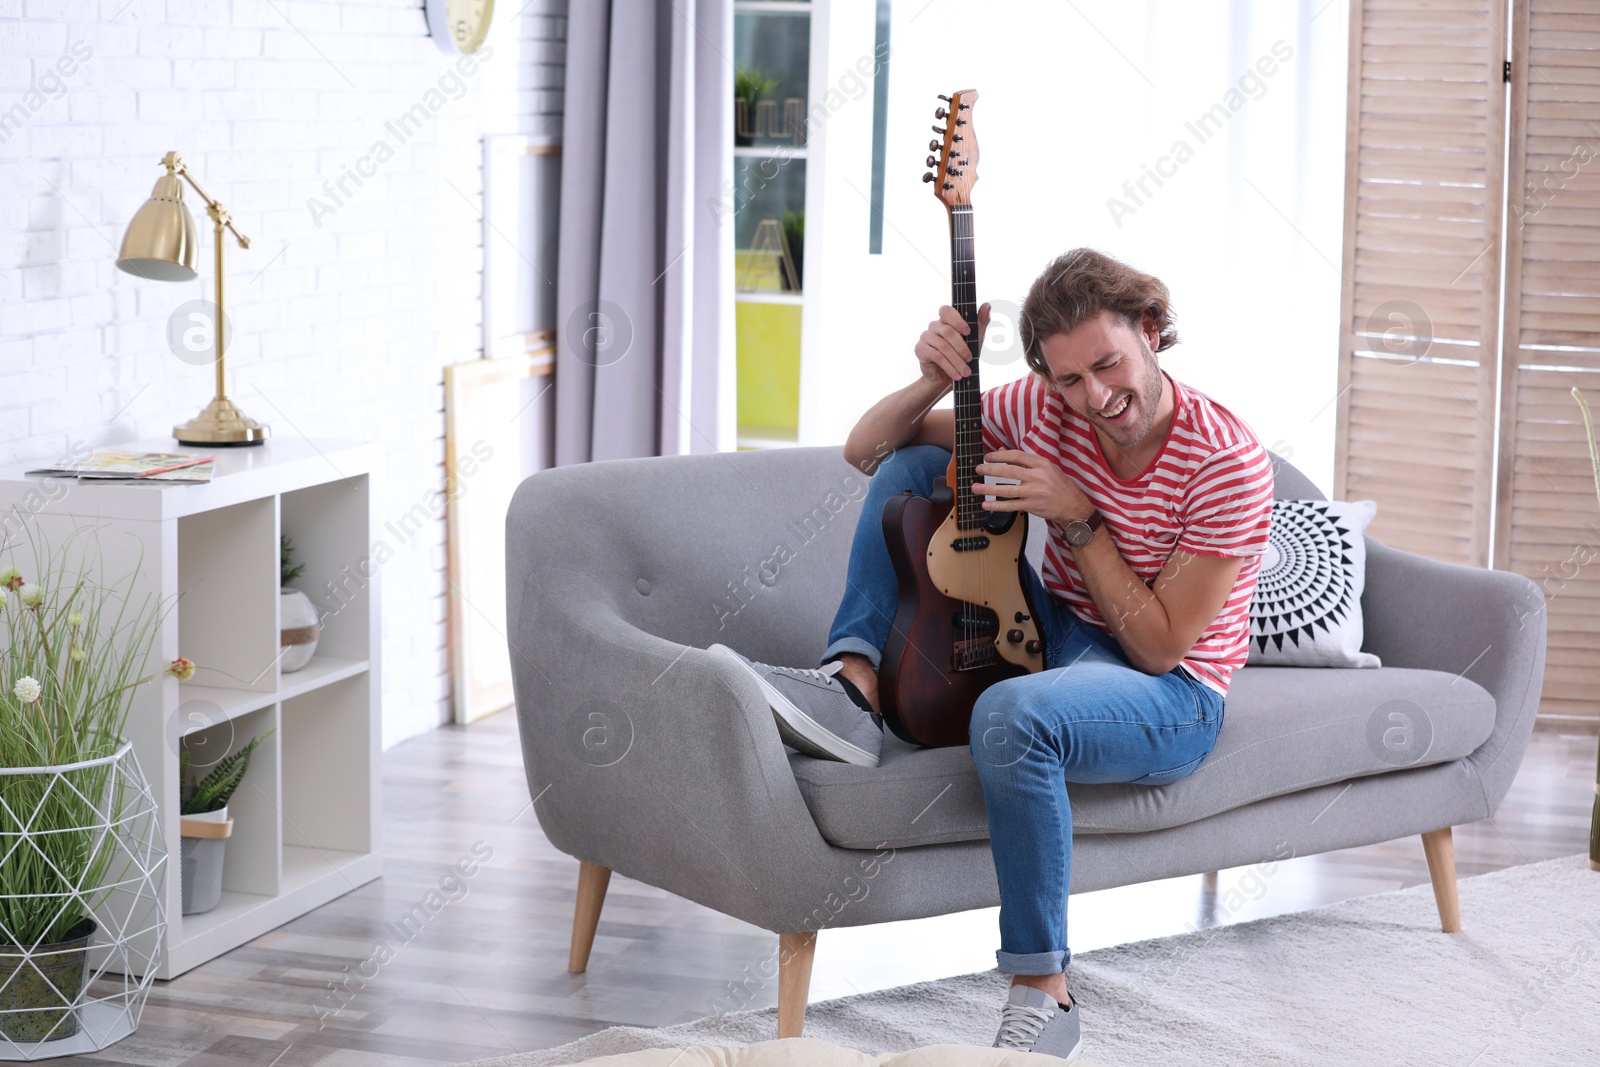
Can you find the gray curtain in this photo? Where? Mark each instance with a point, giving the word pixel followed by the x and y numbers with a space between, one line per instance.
pixel 643 285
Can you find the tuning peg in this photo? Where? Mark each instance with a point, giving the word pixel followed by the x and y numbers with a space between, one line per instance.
pixel 947 185
pixel 961 122
pixel 945 98
pixel 958 137
pixel 930 161
pixel 966 107
pixel 933 146
pixel 927 177
pixel 939 112
pixel 939 130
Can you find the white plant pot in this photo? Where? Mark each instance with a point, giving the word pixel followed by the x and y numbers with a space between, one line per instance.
pixel 300 629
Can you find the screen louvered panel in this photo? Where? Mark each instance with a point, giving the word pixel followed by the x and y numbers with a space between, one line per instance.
pixel 1548 523
pixel 1423 208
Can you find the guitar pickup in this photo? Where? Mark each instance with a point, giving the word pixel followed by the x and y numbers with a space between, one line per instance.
pixel 969 544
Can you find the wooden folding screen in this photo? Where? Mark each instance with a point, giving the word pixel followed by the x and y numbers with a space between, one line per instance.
pixel 1423 341
pixel 1547 524
pixel 1424 192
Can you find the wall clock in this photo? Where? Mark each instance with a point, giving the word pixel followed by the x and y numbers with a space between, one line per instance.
pixel 459 25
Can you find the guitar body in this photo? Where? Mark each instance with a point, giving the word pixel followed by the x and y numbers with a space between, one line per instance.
pixel 965 619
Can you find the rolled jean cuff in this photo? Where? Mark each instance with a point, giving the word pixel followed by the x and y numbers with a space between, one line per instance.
pixel 1032 963
pixel 853 644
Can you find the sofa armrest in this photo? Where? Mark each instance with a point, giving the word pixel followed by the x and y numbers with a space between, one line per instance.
pixel 1485 625
pixel 654 759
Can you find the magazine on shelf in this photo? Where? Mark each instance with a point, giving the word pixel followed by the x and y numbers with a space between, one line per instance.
pixel 135 466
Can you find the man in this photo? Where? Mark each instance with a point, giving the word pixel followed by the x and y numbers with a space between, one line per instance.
pixel 1157 500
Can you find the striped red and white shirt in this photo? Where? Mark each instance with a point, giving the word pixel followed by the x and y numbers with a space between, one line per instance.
pixel 1208 491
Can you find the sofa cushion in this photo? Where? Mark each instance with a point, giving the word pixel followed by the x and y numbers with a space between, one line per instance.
pixel 1284 729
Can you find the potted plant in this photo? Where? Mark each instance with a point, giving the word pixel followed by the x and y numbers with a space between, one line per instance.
pixel 750 86
pixel 299 628
pixel 206 826
pixel 794 242
pixel 80 849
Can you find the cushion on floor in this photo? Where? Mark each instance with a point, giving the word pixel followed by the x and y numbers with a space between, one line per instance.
pixel 1284 729
pixel 805 1052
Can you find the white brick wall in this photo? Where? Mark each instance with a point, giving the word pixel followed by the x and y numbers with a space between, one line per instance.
pixel 340 330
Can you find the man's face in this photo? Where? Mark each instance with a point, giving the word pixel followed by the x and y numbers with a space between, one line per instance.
pixel 1108 373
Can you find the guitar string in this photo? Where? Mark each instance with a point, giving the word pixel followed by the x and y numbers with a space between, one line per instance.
pixel 967 502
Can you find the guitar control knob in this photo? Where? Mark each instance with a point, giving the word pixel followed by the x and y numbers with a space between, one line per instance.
pixel 1033 648
pixel 1014 636
pixel 1022 617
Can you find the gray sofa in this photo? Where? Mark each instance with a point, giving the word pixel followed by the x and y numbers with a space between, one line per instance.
pixel 649 756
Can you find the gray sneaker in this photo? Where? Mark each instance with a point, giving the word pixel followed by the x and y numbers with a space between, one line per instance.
pixel 813 712
pixel 1032 1021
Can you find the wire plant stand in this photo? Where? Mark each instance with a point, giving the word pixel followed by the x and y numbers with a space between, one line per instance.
pixel 59 1000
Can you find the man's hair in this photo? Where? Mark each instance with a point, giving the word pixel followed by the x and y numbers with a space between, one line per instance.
pixel 1080 284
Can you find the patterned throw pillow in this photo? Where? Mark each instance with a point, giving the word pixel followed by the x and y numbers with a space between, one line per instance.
pixel 1307 607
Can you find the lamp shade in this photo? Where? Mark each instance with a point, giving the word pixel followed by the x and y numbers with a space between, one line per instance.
pixel 160 243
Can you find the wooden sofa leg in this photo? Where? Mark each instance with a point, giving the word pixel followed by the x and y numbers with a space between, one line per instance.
pixel 1440 849
pixel 592 882
pixel 794 980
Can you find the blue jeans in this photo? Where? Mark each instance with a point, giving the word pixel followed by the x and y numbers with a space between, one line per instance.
pixel 1089 717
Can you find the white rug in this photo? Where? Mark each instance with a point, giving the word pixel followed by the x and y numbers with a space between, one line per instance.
pixel 1365 981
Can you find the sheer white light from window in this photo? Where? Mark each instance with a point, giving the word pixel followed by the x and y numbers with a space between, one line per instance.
pixel 1076 100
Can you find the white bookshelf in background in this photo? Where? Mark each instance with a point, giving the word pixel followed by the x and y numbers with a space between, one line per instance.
pixel 306 819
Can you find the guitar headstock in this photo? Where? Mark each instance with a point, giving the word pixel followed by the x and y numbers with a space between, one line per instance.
pixel 955 156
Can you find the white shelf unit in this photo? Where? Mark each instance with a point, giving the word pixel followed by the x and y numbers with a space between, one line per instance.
pixel 306 818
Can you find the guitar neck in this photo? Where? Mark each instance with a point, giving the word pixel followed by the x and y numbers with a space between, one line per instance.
pixel 968 406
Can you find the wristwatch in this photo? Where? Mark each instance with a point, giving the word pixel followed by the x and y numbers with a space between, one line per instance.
pixel 1080 531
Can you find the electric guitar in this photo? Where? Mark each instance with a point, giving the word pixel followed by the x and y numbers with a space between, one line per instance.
pixel 965 619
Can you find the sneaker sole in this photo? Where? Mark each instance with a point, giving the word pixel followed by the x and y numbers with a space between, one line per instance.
pixel 797 729
pixel 1071 1055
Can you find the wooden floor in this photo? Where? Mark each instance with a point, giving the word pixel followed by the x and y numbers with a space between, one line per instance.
pixel 486 975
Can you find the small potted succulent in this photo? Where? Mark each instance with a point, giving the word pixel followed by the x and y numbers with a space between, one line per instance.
pixel 299 628
pixel 205 824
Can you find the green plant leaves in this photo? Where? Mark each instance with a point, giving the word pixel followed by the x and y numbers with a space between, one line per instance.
pixel 213 792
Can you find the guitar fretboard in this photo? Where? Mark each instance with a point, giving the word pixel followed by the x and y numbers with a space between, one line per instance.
pixel 968 406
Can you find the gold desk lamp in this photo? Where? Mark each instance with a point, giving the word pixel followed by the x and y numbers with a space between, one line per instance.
pixel 160 244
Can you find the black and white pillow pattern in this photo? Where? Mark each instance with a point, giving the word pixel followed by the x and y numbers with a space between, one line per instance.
pixel 1307 607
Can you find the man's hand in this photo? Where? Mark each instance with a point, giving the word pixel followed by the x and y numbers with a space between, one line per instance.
pixel 942 349
pixel 1042 488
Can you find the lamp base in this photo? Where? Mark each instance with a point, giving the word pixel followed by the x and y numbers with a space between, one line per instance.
pixel 220 424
